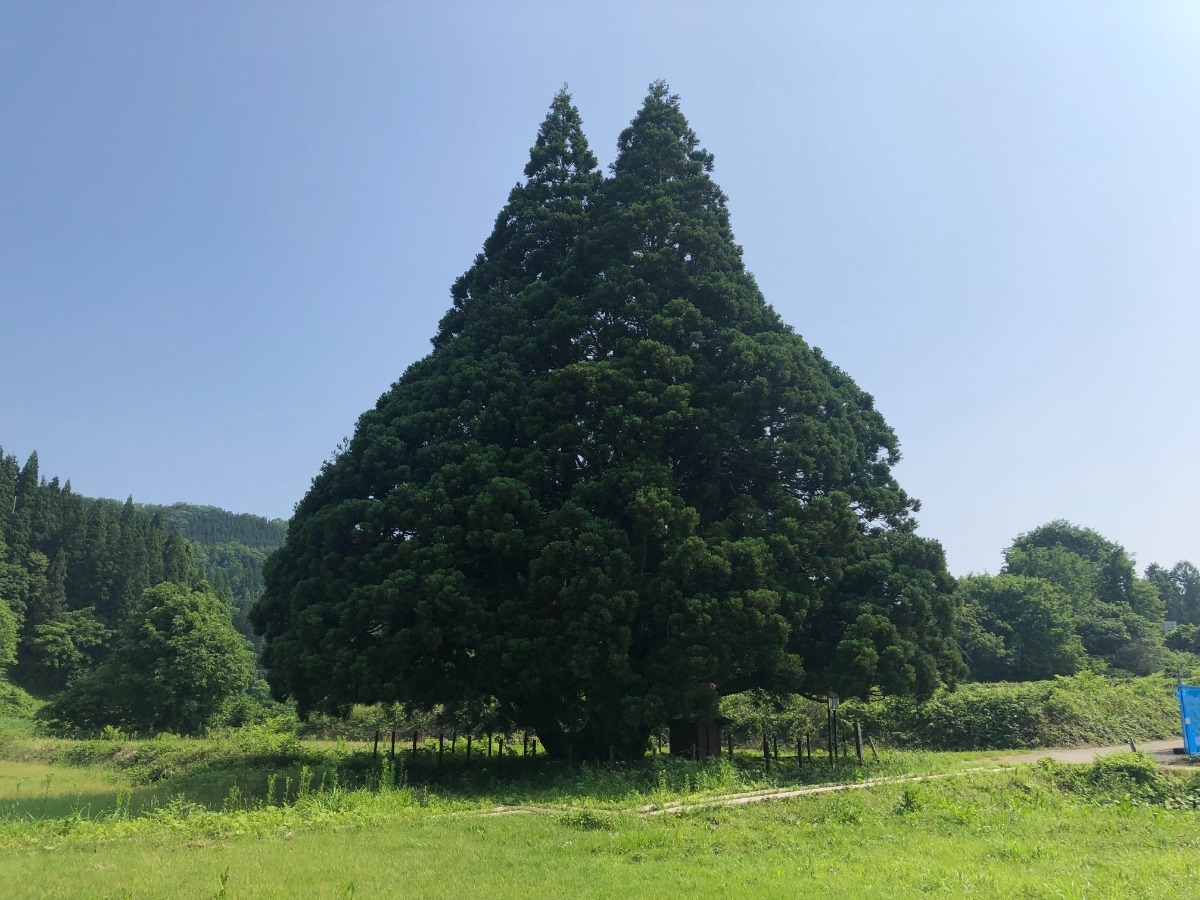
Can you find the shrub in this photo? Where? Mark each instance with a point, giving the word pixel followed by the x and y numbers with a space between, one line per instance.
pixel 1079 709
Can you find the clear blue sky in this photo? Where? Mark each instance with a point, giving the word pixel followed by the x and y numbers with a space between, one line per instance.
pixel 226 228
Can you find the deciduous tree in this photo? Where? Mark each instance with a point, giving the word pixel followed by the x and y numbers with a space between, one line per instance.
pixel 1117 615
pixel 177 663
pixel 1017 628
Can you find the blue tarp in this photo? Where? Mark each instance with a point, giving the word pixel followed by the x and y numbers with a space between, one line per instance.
pixel 1189 708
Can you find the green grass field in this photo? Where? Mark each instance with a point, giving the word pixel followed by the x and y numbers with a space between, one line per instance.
pixel 253 815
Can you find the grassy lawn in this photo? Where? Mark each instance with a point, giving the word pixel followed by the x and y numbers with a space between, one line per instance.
pixel 995 835
pixel 43 790
pixel 261 815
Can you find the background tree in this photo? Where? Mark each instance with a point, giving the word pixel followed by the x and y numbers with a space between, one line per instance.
pixel 8 635
pixel 178 662
pixel 1118 616
pixel 1179 588
pixel 65 648
pixel 1017 628
pixel 618 486
pixel 1185 638
pixel 71 567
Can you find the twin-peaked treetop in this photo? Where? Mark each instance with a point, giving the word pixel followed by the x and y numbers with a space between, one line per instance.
pixel 534 232
pixel 619 484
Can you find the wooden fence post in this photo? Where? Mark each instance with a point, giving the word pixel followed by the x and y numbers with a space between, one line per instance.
pixel 858 740
pixel 375 749
pixel 829 738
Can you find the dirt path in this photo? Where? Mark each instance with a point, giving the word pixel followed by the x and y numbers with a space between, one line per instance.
pixel 784 794
pixel 1160 750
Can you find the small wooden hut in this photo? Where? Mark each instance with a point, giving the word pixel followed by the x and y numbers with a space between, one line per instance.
pixel 698 736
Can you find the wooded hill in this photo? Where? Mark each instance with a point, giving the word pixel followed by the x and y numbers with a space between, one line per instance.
pixel 210 526
pixel 230 550
pixel 72 567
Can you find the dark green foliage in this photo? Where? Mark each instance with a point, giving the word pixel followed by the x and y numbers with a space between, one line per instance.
pixel 1179 588
pixel 618 486
pixel 1185 638
pixel 67 646
pixel 71 568
pixel 229 551
pixel 209 525
pixel 1118 616
pixel 177 664
pixel 1016 628
pixel 235 572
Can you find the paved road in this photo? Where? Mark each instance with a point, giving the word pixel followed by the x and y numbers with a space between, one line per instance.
pixel 1158 749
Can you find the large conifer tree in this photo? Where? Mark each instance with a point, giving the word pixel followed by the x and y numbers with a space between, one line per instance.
pixel 618 486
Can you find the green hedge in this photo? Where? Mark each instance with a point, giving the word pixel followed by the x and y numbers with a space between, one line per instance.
pixel 1068 710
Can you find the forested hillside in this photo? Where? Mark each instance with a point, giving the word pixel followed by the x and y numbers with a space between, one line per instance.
pixel 72 568
pixel 230 550
pixel 210 526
